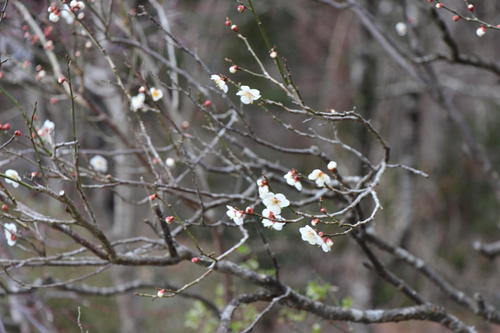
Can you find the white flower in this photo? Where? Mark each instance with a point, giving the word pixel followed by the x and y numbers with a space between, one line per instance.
pixel 54 17
pixel 77 5
pixel 319 177
pixel 293 180
pixel 263 188
pixel 236 215
pixel 270 220
pixel 310 235
pixel 45 133
pixel 274 202
pixel 10 230
pixel 156 94
pixel 137 102
pixel 332 165
pixel 247 95
pixel 67 15
pixel 219 81
pixel 170 162
pixel 481 31
pixel 99 163
pixel 401 28
pixel 14 175
pixel 326 244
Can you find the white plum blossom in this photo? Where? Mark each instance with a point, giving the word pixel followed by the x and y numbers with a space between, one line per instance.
pixel 481 31
pixel 219 82
pixel 332 165
pixel 137 102
pixel 236 215
pixel 274 202
pixel 99 163
pixel 170 162
pixel 310 235
pixel 319 177
pixel 10 230
pixel 271 218
pixel 263 188
pixel 67 15
pixel 54 17
pixel 156 94
pixel 77 5
pixel 45 133
pixel 292 179
pixel 401 28
pixel 326 244
pixel 248 95
pixel 14 175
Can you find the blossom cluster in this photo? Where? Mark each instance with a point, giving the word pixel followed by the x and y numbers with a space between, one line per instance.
pixel 247 95
pixel 275 202
pixel 137 102
pixel 66 11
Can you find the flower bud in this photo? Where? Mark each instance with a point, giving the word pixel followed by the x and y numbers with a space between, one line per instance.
pixel 233 69
pixel 195 260
pixel 234 27
pixel 241 8
pixel 169 219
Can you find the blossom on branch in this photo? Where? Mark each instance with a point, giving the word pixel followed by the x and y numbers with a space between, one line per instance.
pixel 219 82
pixel 271 218
pixel 99 163
pixel 156 94
pixel 248 95
pixel 263 188
pixel 45 133
pixel 292 179
pixel 137 102
pixel 319 177
pixel 310 236
pixel 10 230
pixel 14 175
pixel 274 202
pixel 236 215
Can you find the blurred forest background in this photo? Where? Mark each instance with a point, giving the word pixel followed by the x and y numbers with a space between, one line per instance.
pixel 337 64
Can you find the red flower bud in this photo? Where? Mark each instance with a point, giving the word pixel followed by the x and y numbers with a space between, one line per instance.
pixel 169 219
pixel 207 103
pixel 195 260
pixel 227 22
pixel 234 27
pixel 18 133
pixel 249 210
pixel 5 208
pixel 455 18
pixel 241 8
